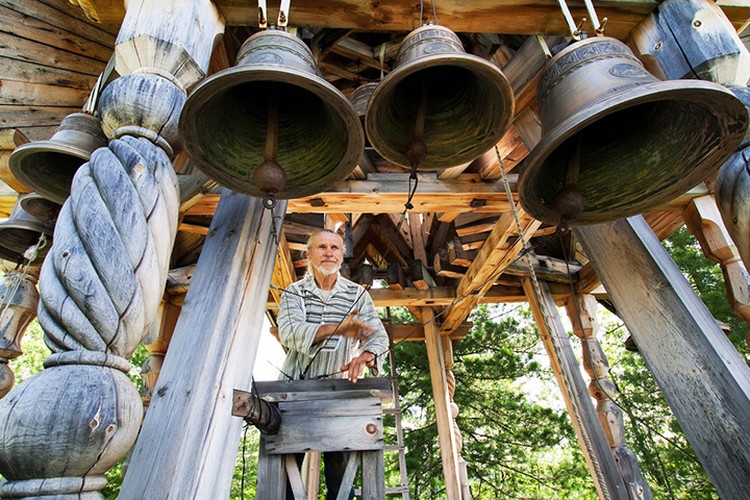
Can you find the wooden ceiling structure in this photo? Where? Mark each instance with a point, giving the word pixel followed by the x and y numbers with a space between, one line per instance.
pixel 53 53
pixel 459 246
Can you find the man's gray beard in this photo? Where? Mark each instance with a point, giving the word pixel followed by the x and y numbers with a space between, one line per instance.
pixel 327 272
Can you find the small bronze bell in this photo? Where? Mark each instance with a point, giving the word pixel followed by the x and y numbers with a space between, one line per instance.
pixel 20 232
pixel 40 207
pixel 48 167
pixel 440 106
pixel 617 141
pixel 271 125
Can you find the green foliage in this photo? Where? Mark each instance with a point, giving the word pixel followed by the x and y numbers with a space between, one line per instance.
pixel 708 281
pixel 515 443
pixel 34 353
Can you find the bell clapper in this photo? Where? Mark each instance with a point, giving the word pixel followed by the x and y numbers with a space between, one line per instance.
pixel 416 149
pixel 568 202
pixel 269 177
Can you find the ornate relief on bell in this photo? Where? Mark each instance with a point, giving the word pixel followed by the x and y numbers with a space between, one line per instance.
pixel 271 124
pixel 48 167
pixel 20 232
pixel 440 106
pixel 616 141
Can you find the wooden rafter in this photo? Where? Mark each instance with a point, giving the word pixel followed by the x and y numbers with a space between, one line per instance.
pixel 496 254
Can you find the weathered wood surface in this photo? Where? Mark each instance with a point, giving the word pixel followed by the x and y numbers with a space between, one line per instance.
pixel 150 39
pixel 703 219
pixel 235 260
pixel 692 39
pixel 271 482
pixel 542 16
pixel 443 417
pixel 733 199
pixel 373 476
pixel 581 311
pixel 584 418
pixel 702 377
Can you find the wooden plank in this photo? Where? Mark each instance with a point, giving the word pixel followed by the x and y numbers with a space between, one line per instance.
pixel 583 416
pixel 445 296
pixel 33 116
pixel 20 49
pixel 64 17
pixel 702 376
pixel 441 397
pixel 39 94
pixel 23 71
pixel 496 254
pixel 373 475
pixel 20 25
pixel 211 353
pixel 271 474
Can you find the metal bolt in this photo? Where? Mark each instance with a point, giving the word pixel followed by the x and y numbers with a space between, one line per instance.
pixel 371 428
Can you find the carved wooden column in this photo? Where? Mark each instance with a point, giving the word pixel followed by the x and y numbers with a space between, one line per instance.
pixel 18 302
pixel 102 281
pixel 703 219
pixel 582 313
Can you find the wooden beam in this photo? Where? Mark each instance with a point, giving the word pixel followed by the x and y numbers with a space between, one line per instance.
pixel 583 416
pixel 702 376
pixel 211 353
pixel 414 332
pixel 541 16
pixel 443 416
pixel 283 269
pixel 496 254
pixel 386 193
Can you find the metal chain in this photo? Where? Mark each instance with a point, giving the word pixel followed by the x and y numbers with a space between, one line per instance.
pixel 550 328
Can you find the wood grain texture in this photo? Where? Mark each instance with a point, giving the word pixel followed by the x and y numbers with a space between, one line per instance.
pixel 191 407
pixel 703 378
pixel 583 416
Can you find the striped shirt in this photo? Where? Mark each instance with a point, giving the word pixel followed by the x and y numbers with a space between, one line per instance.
pixel 303 310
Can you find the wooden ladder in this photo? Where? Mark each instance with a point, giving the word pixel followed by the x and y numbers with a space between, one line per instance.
pixel 403 489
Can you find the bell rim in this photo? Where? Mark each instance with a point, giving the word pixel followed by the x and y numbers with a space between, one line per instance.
pixel 225 79
pixel 48 146
pixel 586 116
pixel 464 60
pixel 25 201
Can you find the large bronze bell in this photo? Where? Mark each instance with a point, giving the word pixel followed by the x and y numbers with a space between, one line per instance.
pixel 48 167
pixel 271 125
pixel 616 141
pixel 440 106
pixel 21 231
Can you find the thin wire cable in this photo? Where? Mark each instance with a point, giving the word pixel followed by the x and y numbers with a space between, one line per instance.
pixel 552 331
pixel 615 401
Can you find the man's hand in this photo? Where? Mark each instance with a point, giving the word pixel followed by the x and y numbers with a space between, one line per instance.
pixel 354 328
pixel 356 367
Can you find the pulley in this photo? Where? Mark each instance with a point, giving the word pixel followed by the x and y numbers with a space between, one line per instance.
pixel 616 141
pixel 270 125
pixel 440 106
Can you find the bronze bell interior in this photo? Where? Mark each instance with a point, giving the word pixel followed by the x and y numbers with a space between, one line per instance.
pixel 466 102
pixel 48 167
pixel 616 141
pixel 226 128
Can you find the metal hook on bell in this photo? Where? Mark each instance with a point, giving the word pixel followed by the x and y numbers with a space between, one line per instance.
pixel 283 19
pixel 575 32
pixel 598 27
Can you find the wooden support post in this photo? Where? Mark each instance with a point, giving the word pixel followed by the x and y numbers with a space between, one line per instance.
pixel 157 349
pixel 703 378
pixel 703 219
pixel 446 436
pixel 582 313
pixel 450 378
pixel 189 426
pixel 585 421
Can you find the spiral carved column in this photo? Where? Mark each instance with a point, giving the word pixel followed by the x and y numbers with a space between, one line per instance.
pixel 450 380
pixel 102 281
pixel 582 312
